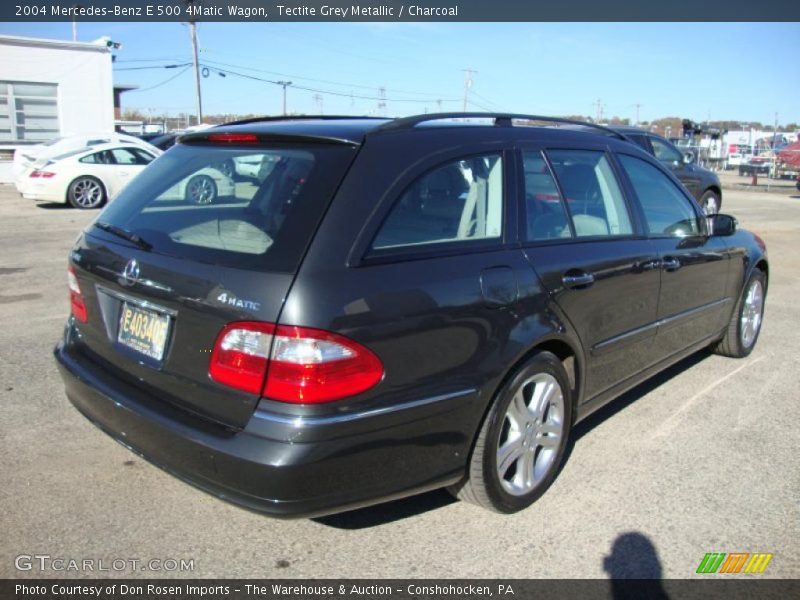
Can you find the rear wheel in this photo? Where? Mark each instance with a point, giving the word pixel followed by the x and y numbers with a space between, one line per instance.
pixel 86 192
pixel 710 202
pixel 201 189
pixel 745 324
pixel 521 443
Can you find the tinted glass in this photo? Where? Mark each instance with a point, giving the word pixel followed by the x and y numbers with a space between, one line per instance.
pixel 99 158
pixel 183 205
pixel 665 152
pixel 459 201
pixel 545 216
pixel 591 192
pixel 130 156
pixel 667 211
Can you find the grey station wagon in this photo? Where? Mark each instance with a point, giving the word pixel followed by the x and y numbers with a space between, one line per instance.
pixel 382 307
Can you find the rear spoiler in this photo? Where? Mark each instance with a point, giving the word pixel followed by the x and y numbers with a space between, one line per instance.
pixel 247 138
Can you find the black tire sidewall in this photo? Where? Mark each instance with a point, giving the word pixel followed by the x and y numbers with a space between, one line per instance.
pixel 70 195
pixel 502 500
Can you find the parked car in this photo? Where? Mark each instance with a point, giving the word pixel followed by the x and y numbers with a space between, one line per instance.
pixel 703 184
pixel 28 158
pixel 400 305
pixel 88 177
pixel 165 141
pixel 755 164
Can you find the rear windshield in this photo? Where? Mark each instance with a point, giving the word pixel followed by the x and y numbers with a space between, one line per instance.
pixel 252 208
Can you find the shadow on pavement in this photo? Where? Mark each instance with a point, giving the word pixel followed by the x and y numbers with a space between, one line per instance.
pixel 396 510
pixel 634 568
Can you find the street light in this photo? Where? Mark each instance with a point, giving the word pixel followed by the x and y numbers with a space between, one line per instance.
pixel 285 84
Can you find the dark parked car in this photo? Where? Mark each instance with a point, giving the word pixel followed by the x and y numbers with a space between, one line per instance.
pixel 399 305
pixel 703 184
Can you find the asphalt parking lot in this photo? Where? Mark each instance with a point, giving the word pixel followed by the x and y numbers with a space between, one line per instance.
pixel 702 459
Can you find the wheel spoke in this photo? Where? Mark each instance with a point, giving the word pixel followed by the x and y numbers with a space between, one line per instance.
pixel 525 469
pixel 508 454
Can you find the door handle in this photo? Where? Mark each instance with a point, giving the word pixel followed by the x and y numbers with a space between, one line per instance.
pixel 670 264
pixel 577 280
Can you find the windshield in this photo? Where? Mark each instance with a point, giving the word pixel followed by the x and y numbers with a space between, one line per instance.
pixel 254 208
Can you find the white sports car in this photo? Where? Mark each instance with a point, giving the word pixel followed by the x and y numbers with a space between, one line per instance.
pixel 28 158
pixel 89 177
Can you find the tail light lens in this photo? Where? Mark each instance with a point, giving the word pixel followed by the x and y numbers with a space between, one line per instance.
pixel 292 364
pixel 77 305
pixel 43 174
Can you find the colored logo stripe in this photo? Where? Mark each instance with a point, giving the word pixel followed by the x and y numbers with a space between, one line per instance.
pixel 721 562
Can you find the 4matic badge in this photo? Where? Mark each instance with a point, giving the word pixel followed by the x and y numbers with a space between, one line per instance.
pixel 230 300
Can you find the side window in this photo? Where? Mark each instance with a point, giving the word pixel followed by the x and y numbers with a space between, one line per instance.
pixel 459 201
pixel 545 215
pixel 99 158
pixel 664 152
pixel 129 156
pixel 591 192
pixel 667 211
pixel 641 141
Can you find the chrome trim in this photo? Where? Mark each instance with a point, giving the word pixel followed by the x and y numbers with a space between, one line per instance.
pixel 300 422
pixel 656 324
pixel 136 301
pixel 145 282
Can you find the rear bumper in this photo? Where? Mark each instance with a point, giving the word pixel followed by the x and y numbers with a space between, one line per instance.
pixel 384 457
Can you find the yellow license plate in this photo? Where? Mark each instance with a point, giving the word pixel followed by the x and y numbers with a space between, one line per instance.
pixel 143 330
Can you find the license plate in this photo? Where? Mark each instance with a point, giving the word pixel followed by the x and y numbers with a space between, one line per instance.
pixel 143 330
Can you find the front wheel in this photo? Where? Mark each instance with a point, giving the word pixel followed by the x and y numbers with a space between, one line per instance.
pixel 86 192
pixel 745 324
pixel 521 443
pixel 710 202
pixel 201 189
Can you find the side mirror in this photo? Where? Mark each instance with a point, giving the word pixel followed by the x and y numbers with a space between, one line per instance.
pixel 688 157
pixel 721 225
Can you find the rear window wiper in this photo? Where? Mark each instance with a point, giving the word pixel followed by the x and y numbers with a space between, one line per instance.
pixel 124 234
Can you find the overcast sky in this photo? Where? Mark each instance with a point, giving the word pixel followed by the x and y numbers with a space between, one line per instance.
pixel 737 71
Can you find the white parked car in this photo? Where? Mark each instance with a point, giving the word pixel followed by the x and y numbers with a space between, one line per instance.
pixel 88 177
pixel 31 157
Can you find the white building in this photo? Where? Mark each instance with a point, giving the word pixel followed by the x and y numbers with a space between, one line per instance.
pixel 52 88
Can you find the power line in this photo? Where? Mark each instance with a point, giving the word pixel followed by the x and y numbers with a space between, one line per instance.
pixel 327 81
pixel 166 81
pixel 155 67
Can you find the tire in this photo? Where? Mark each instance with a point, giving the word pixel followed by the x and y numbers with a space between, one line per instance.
pixel 511 429
pixel 201 189
pixel 745 325
pixel 710 202
pixel 86 192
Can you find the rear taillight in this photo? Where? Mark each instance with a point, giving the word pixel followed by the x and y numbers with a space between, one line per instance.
pixel 233 138
pixel 43 174
pixel 77 305
pixel 292 364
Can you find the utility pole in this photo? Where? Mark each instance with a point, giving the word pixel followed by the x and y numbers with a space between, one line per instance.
pixel 599 106
pixel 318 102
pixel 467 85
pixel 638 106
pixel 382 101
pixel 285 84
pixel 193 34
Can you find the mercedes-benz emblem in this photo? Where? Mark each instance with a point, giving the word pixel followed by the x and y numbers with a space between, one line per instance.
pixel 130 274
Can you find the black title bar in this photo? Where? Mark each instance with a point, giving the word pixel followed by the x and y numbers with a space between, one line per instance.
pixel 389 10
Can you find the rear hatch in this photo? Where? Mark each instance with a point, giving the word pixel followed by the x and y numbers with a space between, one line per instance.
pixel 189 246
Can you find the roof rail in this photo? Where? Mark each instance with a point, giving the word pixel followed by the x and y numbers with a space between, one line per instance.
pixel 269 118
pixel 500 120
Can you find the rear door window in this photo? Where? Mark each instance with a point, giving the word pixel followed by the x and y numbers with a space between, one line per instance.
pixel 186 204
pixel 131 156
pixel 460 201
pixel 592 193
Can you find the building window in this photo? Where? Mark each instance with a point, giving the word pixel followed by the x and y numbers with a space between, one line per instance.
pixel 28 111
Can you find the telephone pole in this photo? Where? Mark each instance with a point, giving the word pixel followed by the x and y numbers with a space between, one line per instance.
pixel 467 85
pixel 599 106
pixel 285 84
pixel 196 62
pixel 638 106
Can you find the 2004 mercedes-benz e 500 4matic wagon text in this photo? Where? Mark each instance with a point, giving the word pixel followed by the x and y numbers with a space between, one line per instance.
pixel 393 306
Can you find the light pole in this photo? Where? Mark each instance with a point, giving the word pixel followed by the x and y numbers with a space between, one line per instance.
pixel 285 84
